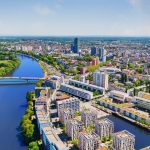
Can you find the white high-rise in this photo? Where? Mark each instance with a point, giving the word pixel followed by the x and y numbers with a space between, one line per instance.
pixel 101 79
pixel 102 54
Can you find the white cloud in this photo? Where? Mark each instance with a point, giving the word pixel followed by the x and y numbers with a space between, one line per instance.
pixel 43 10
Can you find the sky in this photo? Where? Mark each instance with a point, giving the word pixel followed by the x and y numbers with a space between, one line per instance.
pixel 75 17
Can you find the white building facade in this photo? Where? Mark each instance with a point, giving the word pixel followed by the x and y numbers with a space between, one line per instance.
pixel 73 127
pixel 101 79
pixel 104 128
pixel 123 140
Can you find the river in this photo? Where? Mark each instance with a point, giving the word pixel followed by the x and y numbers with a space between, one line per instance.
pixel 13 105
pixel 142 137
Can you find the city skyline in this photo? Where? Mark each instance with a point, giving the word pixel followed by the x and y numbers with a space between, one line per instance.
pixel 73 18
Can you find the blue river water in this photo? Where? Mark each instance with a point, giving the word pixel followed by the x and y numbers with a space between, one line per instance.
pixel 142 137
pixel 13 105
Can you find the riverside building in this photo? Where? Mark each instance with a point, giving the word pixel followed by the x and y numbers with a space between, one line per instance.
pixel 42 99
pixel 123 140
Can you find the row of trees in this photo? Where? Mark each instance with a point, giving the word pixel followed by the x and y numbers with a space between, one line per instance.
pixel 27 124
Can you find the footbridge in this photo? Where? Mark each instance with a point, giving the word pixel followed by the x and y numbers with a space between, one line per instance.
pixel 19 80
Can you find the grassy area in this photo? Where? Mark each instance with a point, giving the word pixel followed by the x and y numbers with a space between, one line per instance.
pixel 44 68
pixel 6 66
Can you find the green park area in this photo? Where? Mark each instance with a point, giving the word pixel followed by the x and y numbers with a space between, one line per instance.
pixel 8 62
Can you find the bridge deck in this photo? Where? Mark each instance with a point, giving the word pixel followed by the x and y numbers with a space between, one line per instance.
pixel 18 80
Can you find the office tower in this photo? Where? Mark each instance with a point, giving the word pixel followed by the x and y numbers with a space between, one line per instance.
pixel 102 54
pixel 101 79
pixel 75 46
pixel 66 114
pixel 73 127
pixel 88 141
pixel 88 117
pixel 104 128
pixel 93 51
pixel 123 140
pixel 72 47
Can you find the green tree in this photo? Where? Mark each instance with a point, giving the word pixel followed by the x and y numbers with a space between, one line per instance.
pixel 140 71
pixel 130 65
pixel 33 146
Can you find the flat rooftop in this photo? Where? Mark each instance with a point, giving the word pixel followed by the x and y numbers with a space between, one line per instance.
pixel 87 84
pixel 88 135
pixel 105 120
pixel 78 89
pixel 43 91
pixel 68 100
pixel 143 99
pixel 61 96
pixel 42 98
pixel 145 95
pixel 119 92
pixel 124 134
pixel 42 117
pixel 53 137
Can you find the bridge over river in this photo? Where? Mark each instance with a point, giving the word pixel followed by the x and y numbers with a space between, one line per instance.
pixel 18 80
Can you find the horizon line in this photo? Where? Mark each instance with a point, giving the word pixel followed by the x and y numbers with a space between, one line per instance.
pixel 148 36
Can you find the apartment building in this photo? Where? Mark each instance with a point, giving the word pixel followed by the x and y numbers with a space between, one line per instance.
pixel 42 99
pixel 73 127
pixel 86 86
pixel 101 79
pixel 66 114
pixel 142 102
pixel 88 141
pixel 119 96
pixel 123 140
pixel 81 93
pixel 88 117
pixel 104 128
pixel 72 103
pixel 51 140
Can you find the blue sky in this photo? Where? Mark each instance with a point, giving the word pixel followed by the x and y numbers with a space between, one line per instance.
pixel 75 17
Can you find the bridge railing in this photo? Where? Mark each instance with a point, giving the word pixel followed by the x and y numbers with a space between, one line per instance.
pixel 24 78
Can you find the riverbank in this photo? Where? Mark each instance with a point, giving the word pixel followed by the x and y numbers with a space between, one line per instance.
pixel 8 62
pixel 14 104
pixel 28 124
pixel 132 121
